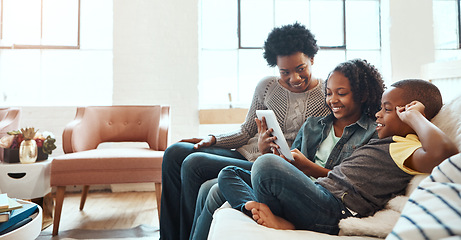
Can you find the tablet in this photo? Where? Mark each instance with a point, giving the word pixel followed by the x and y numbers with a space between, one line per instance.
pixel 271 122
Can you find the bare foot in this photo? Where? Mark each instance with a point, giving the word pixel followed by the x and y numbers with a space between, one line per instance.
pixel 264 216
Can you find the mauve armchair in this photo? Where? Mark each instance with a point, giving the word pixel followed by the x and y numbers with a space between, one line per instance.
pixel 85 164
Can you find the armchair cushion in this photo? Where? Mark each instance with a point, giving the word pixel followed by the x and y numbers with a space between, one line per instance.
pixel 119 165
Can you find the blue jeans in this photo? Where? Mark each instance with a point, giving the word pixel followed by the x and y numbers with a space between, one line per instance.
pixel 287 191
pixel 205 209
pixel 183 172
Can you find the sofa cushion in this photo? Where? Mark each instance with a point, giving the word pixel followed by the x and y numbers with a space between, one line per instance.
pixel 434 208
pixel 449 120
pixel 229 223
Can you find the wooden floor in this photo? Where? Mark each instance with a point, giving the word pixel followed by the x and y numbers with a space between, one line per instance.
pixel 107 210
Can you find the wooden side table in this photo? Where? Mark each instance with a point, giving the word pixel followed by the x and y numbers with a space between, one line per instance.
pixel 31 182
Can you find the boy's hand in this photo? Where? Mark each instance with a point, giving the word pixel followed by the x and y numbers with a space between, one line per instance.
pixel 436 146
pixel 266 140
pixel 411 108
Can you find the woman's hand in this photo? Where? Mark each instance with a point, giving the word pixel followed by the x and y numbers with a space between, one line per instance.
pixel 266 140
pixel 201 142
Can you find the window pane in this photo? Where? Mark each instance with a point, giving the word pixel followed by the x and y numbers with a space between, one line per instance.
pixel 445 24
pixel 219 24
pixel 325 61
pixel 13 64
pixel 328 24
pixel 218 78
pixel 21 22
pixel 96 24
pixel 77 77
pixel 372 57
pixel 362 25
pixel 291 11
pixel 448 55
pixel 55 78
pixel 256 22
pixel 252 68
pixel 60 22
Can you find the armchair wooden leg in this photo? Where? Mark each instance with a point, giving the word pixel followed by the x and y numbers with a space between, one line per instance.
pixel 60 192
pixel 158 194
pixel 85 190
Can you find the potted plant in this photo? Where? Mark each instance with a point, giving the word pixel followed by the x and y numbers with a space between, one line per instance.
pixel 45 144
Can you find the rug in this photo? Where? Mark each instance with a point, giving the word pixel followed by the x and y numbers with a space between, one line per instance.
pixel 140 232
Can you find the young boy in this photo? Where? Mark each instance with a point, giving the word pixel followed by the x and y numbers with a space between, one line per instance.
pixel 285 198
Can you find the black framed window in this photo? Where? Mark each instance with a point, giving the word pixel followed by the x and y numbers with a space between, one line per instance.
pixel 233 33
pixel 46 60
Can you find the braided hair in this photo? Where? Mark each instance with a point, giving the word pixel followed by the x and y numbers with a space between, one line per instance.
pixel 366 84
pixel 287 40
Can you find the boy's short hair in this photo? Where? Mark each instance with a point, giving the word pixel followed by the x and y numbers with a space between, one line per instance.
pixel 422 91
pixel 287 40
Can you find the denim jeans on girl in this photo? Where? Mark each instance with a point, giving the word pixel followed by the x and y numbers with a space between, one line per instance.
pixel 287 191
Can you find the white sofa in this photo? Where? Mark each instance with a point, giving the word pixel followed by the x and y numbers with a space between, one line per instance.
pixel 229 223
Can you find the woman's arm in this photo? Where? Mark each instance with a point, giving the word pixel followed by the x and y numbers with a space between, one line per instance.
pixel 248 129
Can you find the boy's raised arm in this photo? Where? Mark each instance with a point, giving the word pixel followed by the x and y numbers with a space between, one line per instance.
pixel 436 146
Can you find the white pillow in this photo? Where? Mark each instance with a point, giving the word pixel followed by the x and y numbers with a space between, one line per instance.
pixel 449 120
pixel 433 210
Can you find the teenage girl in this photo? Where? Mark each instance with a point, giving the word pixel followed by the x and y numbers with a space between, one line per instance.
pixel 353 94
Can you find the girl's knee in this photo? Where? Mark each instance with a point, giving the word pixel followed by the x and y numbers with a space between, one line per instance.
pixel 267 160
pixel 269 163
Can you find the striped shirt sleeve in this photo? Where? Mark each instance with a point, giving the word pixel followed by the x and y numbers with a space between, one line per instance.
pixel 433 210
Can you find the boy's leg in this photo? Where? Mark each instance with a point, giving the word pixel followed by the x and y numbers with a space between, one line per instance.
pixel 197 168
pixel 293 196
pixel 201 201
pixel 202 224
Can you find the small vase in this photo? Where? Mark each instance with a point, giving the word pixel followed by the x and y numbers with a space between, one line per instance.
pixel 28 151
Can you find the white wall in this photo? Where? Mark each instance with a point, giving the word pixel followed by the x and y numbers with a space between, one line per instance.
pixel 156 58
pixel 407 38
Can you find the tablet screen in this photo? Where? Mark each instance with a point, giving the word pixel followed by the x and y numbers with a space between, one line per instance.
pixel 272 122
